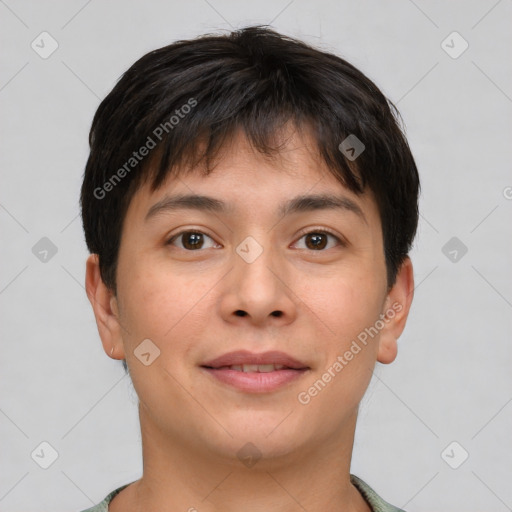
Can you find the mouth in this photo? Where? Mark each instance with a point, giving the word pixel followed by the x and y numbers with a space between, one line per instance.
pixel 255 373
pixel 251 368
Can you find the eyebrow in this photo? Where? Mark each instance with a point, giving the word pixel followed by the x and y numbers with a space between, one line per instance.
pixel 299 204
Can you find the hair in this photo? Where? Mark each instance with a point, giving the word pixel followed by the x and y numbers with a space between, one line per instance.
pixel 180 104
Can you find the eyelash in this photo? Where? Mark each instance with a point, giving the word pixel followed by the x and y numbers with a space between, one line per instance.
pixel 324 231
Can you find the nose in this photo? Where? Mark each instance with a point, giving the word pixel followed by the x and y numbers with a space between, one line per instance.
pixel 257 291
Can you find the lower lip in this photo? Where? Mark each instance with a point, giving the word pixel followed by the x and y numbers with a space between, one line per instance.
pixel 255 382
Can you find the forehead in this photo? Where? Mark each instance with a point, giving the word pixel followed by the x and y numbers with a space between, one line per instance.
pixel 287 181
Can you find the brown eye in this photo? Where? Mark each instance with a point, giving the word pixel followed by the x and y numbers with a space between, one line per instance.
pixel 190 240
pixel 316 240
pixel 319 240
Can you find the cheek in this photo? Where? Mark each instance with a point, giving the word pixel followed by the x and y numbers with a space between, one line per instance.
pixel 163 306
pixel 346 306
pixel 160 302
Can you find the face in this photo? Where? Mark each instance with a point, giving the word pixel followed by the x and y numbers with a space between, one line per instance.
pixel 254 270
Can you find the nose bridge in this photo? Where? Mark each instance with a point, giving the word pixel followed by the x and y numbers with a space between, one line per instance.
pixel 253 264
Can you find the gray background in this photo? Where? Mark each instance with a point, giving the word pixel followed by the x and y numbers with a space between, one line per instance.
pixel 451 380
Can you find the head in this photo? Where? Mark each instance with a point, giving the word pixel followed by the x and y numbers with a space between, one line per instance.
pixel 260 123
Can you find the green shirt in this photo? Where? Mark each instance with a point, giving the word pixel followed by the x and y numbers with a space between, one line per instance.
pixel 377 504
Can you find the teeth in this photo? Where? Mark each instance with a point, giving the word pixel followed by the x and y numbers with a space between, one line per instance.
pixel 247 368
pixel 261 368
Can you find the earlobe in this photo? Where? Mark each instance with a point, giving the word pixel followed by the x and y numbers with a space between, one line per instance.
pixel 104 306
pixel 396 309
pixel 388 350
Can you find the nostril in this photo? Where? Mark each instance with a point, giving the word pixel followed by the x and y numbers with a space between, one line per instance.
pixel 240 312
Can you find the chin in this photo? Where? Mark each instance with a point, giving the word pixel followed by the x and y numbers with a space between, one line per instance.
pixel 259 452
pixel 264 436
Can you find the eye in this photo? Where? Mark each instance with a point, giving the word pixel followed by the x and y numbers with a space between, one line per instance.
pixel 317 240
pixel 191 240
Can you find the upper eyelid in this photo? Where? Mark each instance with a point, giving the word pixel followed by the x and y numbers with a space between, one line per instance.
pixel 325 231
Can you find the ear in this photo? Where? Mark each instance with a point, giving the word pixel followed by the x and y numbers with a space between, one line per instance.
pixel 104 305
pixel 396 308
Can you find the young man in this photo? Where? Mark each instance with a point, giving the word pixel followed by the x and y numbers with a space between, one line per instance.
pixel 249 203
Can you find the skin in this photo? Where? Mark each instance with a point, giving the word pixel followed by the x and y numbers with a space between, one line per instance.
pixel 185 301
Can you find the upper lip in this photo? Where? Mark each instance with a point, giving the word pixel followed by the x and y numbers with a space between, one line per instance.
pixel 241 357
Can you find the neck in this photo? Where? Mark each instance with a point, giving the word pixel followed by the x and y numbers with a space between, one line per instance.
pixel 181 476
